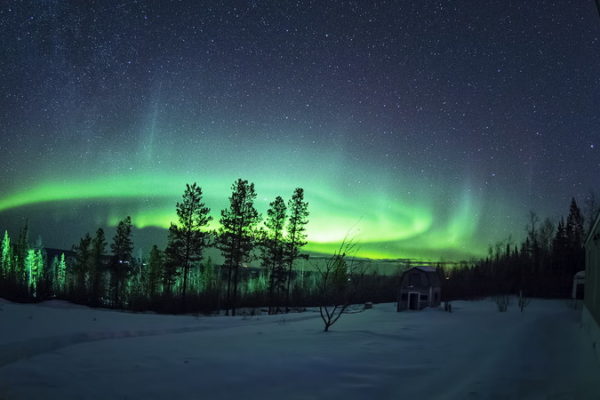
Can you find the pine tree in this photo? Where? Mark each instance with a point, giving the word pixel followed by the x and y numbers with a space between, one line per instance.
pixel 236 236
pixel 82 266
pixel 6 258
pixel 296 234
pixel 272 249
pixel 209 276
pixel 98 247
pixel 545 234
pixel 155 266
pixel 575 236
pixel 60 275
pixel 187 238
pixel 560 246
pixel 171 264
pixel 121 264
pixel 35 269
pixel 534 246
pixel 592 210
pixel 20 254
pixel 574 228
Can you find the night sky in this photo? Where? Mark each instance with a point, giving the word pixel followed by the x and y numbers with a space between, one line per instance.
pixel 421 128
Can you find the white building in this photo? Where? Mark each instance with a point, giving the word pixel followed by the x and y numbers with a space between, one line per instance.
pixel 591 308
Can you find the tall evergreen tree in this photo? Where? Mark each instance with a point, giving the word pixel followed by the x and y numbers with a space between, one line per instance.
pixel 575 235
pixel 60 275
pixel 545 236
pixel 97 268
pixel 187 238
pixel 6 258
pixel 171 264
pixel 20 254
pixel 35 270
pixel 237 234
pixel 82 266
pixel 534 245
pixel 273 249
pixel 560 246
pixel 121 264
pixel 592 210
pixel 210 276
pixel 545 239
pixel 155 267
pixel 296 239
pixel 574 228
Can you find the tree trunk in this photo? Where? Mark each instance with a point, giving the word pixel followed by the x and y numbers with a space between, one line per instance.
pixel 235 284
pixel 289 283
pixel 272 290
pixel 228 298
pixel 183 291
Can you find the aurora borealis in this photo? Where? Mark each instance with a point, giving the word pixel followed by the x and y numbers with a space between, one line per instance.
pixel 424 129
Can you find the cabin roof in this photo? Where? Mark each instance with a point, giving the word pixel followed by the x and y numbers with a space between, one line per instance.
pixel 426 269
pixel 432 274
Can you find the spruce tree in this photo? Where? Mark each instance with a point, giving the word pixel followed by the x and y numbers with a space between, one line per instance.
pixel 188 238
pixel 534 246
pixel 171 265
pixel 20 254
pixel 97 268
pixel 209 276
pixel 155 265
pixel 60 276
pixel 121 264
pixel 575 236
pixel 273 248
pixel 296 239
pixel 560 246
pixel 575 229
pixel 592 210
pixel 6 258
pixel 35 269
pixel 82 266
pixel 237 234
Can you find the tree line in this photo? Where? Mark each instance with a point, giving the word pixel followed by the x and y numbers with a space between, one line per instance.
pixel 91 276
pixel 179 278
pixel 542 265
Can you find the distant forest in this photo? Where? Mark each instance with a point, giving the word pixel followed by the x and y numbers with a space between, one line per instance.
pixel 179 279
pixel 543 265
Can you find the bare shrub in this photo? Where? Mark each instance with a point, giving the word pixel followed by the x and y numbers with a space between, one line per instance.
pixel 339 283
pixel 523 301
pixel 502 302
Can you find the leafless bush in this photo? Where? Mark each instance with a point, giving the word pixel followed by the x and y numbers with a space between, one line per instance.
pixel 447 306
pixel 502 302
pixel 340 280
pixel 523 301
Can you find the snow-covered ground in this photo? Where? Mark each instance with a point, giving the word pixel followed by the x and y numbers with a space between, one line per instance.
pixel 56 350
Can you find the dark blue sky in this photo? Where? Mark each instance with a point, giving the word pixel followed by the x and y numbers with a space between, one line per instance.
pixel 451 119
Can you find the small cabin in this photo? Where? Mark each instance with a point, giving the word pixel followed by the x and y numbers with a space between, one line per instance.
pixel 420 287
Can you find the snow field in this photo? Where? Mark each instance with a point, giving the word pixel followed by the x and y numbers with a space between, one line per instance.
pixel 57 350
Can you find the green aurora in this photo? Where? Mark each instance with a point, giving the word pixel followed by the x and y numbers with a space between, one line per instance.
pixel 382 225
pixel 416 132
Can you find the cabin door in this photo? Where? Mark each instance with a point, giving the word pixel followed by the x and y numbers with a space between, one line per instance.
pixel 413 300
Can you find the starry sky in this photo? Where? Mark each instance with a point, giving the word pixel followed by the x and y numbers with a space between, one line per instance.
pixel 422 129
